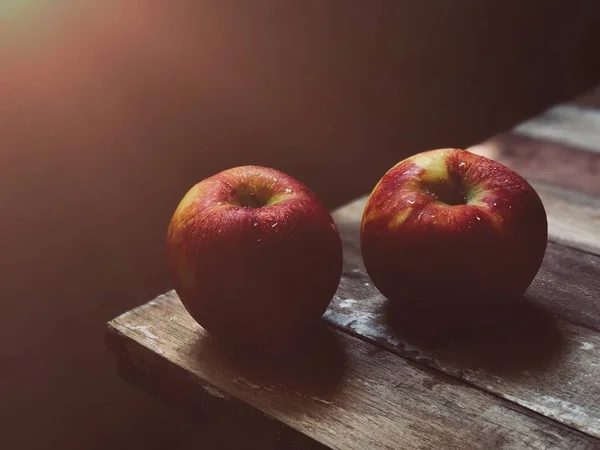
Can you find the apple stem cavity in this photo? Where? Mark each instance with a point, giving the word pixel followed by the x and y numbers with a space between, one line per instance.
pixel 254 197
pixel 448 194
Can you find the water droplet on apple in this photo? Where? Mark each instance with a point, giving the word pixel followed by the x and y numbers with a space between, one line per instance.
pixel 254 224
pixel 287 190
pixel 274 225
pixel 411 201
pixel 462 164
pixel 420 215
pixel 258 240
pixel 495 204
pixel 478 218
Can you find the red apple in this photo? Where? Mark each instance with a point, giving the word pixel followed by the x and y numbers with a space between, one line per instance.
pixel 253 255
pixel 450 225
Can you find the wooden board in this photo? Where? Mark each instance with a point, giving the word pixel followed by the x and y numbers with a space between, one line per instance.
pixel 568 285
pixel 340 391
pixel 573 217
pixel 573 125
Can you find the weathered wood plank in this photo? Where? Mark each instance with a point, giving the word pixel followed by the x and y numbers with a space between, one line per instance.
pixel 520 352
pixel 173 385
pixel 568 285
pixel 573 218
pixel 573 125
pixel 545 161
pixel 342 392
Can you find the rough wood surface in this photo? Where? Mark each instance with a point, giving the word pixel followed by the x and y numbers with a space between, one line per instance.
pixel 520 352
pixel 569 124
pixel 339 391
pixel 568 285
pixel 573 218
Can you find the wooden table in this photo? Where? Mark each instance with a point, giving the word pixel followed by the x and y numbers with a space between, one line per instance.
pixel 528 377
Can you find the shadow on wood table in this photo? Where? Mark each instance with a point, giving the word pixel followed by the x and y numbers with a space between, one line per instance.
pixel 313 365
pixel 513 338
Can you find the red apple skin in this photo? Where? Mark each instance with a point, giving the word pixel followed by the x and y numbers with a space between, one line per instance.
pixel 419 244
pixel 253 275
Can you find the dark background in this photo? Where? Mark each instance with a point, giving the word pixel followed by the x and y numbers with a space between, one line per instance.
pixel 110 111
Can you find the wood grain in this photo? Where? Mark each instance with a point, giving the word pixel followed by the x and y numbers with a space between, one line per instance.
pixel 377 400
pixel 573 217
pixel 569 124
pixel 518 351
